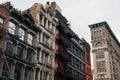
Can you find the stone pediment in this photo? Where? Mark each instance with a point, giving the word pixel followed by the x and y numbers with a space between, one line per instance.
pixel 34 11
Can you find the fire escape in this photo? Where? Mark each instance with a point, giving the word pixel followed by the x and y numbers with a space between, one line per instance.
pixel 3 57
pixel 61 53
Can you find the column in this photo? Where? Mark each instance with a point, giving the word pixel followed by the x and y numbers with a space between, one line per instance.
pixel 53 61
pixel 43 20
pixel 13 69
pixel 33 74
pixel 35 57
pixel 43 76
pixel 23 73
pixel 25 53
pixel 48 75
pixel 49 60
pixel 46 23
pixel 1 69
pixel 38 75
pixel 40 55
pixel 41 37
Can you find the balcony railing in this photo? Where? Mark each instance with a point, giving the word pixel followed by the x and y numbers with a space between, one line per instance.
pixel 6 75
pixel 74 77
pixel 63 40
pixel 60 72
pixel 62 55
pixel 70 76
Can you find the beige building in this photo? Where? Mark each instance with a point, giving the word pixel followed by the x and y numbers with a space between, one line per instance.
pixel 106 52
pixel 44 17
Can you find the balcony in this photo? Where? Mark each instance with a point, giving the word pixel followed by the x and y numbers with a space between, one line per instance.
pixel 49 65
pixel 60 72
pixel 62 55
pixel 2 31
pixel 70 76
pixel 62 39
pixel 6 76
pixel 70 34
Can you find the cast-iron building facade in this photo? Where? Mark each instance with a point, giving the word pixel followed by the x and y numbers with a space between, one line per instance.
pixel 20 49
pixel 105 49
pixel 76 56
pixel 44 18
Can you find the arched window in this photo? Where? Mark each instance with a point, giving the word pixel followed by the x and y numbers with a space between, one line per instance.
pixel 98 44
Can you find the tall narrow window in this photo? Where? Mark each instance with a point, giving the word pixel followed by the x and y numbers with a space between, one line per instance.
pixel 45 39
pixel 11 28
pixel 40 18
pixel 46 57
pixel 30 39
pixel 22 34
pixel 1 21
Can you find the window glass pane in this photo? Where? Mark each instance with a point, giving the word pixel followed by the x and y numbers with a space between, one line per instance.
pixel 21 33
pixel 11 28
pixel 30 39
pixel 1 20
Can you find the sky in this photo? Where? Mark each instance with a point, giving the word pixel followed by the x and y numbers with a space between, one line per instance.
pixel 81 13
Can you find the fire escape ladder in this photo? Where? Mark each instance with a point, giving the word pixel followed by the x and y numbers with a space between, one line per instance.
pixel 6 62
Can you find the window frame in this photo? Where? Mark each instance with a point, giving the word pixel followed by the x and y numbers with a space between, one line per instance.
pixel 30 39
pixel 12 28
pixel 1 23
pixel 21 34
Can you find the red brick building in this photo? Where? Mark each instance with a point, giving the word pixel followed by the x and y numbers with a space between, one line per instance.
pixel 86 47
pixel 61 57
pixel 4 18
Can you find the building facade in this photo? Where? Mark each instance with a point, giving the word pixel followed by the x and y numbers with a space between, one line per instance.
pixel 105 49
pixel 44 18
pixel 20 47
pixel 87 49
pixel 61 54
pixel 76 56
pixel 4 18
pixel 41 46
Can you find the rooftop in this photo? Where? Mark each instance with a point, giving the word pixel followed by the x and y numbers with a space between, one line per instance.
pixel 104 24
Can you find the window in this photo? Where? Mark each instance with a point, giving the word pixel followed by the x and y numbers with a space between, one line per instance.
pixel 100 56
pixel 45 39
pixel 46 57
pixel 20 51
pixel 99 50
pixel 101 69
pixel 40 36
pixel 50 27
pixel 101 76
pixel 99 44
pixel 11 28
pixel 30 39
pixel 1 20
pixel 40 18
pixel 45 75
pixel 29 56
pixel 41 77
pixel 21 33
pixel 82 56
pixel 100 63
pixel 45 20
